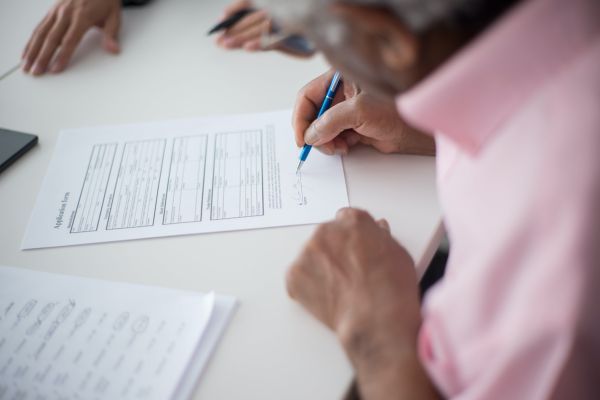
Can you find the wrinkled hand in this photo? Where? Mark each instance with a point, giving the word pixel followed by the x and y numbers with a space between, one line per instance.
pixel 55 39
pixel 355 117
pixel 247 33
pixel 355 278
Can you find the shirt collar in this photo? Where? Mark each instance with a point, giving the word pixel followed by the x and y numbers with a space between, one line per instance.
pixel 473 94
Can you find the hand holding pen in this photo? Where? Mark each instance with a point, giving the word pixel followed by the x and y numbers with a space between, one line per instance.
pixel 251 29
pixel 242 27
pixel 355 118
pixel 327 102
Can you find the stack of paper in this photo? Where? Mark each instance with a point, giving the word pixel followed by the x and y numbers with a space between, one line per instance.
pixel 68 337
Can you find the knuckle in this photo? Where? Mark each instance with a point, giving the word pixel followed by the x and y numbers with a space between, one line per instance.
pixel 317 244
pixel 312 246
pixel 360 108
pixel 321 231
pixel 355 216
pixel 63 11
pixel 344 213
pixel 302 93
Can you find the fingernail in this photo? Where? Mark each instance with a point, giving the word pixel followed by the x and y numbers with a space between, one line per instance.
pixel 55 68
pixel 37 69
pixel 115 46
pixel 340 152
pixel 110 45
pixel 250 47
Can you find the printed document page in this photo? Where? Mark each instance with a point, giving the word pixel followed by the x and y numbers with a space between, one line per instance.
pixel 63 337
pixel 181 177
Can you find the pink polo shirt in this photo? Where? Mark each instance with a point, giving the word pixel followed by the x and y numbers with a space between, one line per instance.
pixel 516 117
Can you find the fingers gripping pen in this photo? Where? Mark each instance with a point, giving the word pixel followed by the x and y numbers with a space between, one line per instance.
pixel 327 101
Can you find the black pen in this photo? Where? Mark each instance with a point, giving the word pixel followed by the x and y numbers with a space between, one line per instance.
pixel 231 21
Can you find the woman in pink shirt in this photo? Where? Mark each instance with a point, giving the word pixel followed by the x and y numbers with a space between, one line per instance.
pixel 510 91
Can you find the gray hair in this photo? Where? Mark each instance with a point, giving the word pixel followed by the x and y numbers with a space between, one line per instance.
pixel 418 15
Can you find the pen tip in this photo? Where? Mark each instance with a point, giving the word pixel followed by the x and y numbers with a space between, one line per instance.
pixel 299 166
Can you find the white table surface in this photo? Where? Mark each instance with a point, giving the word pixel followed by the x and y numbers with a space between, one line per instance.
pixel 169 69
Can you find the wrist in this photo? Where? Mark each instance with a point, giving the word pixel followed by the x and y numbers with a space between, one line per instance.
pixel 389 371
pixel 405 378
pixel 383 352
pixel 376 343
pixel 377 352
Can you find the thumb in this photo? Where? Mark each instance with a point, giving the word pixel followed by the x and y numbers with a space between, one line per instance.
pixel 111 32
pixel 337 119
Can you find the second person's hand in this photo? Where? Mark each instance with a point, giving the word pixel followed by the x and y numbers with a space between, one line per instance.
pixel 55 39
pixel 356 279
pixel 254 33
pixel 355 117
pixel 248 31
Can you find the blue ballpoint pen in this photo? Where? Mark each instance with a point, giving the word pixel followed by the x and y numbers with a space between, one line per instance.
pixel 333 86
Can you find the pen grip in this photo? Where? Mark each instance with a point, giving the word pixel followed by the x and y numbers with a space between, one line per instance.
pixel 304 152
pixel 327 101
pixel 324 107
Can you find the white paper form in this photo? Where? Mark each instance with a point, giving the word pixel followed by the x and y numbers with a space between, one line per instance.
pixel 181 177
pixel 62 337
